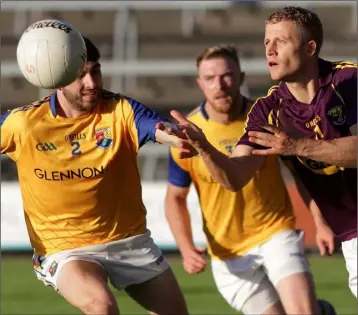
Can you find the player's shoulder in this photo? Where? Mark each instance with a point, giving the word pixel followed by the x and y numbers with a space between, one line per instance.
pixel 194 114
pixel 270 100
pixel 343 70
pixel 120 101
pixel 29 114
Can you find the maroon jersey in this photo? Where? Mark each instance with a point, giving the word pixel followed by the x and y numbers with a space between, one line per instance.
pixel 329 116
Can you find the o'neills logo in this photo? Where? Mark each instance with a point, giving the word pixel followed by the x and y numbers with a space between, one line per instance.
pixel 54 24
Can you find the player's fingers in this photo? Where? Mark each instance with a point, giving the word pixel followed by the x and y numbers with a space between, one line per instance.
pixel 160 126
pixel 191 267
pixel 180 134
pixel 262 135
pixel 321 247
pixel 198 260
pixel 179 117
pixel 200 249
pixel 268 143
pixel 272 129
pixel 330 245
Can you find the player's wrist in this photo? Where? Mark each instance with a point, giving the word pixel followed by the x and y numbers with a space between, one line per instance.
pixel 300 147
pixel 205 149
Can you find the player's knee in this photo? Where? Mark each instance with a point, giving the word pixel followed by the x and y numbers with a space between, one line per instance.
pixel 105 306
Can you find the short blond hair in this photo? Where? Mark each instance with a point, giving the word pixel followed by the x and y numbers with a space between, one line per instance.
pixel 223 51
pixel 306 20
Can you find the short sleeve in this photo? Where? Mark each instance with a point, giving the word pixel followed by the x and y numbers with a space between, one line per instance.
pixel 143 122
pixel 10 128
pixel 345 82
pixel 258 117
pixel 178 174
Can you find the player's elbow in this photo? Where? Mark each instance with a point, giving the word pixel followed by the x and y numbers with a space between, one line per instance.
pixel 173 204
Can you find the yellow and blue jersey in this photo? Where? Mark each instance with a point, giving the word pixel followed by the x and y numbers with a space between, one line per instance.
pixel 233 222
pixel 79 178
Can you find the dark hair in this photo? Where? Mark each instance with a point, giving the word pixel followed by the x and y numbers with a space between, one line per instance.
pixel 305 19
pixel 92 51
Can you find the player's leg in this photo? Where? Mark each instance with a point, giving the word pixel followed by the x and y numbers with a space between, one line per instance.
pixel 81 280
pixel 160 295
pixel 84 285
pixel 289 271
pixel 349 249
pixel 245 286
pixel 138 266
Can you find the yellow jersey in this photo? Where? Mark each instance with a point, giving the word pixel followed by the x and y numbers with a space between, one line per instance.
pixel 233 222
pixel 79 178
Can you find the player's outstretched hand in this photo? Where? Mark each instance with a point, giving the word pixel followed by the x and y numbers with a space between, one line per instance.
pixel 277 141
pixel 172 135
pixel 193 134
pixel 194 260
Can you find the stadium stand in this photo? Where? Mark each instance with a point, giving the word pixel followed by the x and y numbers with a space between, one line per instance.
pixel 170 34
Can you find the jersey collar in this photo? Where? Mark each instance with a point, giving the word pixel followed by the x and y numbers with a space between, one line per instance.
pixel 53 103
pixel 325 78
pixel 206 116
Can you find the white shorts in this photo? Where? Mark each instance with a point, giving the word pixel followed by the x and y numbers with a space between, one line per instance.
pixel 248 282
pixel 129 261
pixel 349 249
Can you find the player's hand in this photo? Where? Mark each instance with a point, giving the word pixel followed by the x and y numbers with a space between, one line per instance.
pixel 194 260
pixel 278 142
pixel 194 135
pixel 173 136
pixel 325 239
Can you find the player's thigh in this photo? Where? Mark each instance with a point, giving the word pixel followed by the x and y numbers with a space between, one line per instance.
pixel 159 295
pixel 245 287
pixel 84 285
pixel 349 249
pixel 288 269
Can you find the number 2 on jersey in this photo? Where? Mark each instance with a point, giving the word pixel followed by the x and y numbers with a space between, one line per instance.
pixel 75 148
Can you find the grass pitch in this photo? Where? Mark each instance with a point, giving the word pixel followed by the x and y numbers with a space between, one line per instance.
pixel 22 293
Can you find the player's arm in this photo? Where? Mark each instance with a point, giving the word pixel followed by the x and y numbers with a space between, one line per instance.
pixel 146 125
pixel 232 172
pixel 324 236
pixel 177 214
pixel 306 196
pixel 178 217
pixel 341 151
pixel 9 135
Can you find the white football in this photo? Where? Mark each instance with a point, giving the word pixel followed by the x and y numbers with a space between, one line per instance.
pixel 51 53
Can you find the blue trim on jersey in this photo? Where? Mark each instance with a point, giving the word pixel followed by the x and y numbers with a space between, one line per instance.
pixel 206 116
pixel 176 175
pixel 53 103
pixel 145 120
pixel 3 117
pixel 203 111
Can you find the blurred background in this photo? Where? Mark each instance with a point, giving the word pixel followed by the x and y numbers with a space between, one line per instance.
pixel 148 53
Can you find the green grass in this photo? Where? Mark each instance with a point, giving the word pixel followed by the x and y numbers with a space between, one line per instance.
pixel 22 293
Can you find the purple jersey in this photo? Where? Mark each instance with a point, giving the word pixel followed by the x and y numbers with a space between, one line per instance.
pixel 329 116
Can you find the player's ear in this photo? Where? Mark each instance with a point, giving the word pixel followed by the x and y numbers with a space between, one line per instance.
pixel 311 47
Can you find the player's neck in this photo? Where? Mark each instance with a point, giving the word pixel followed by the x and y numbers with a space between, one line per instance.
pixel 66 110
pixel 226 118
pixel 305 87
